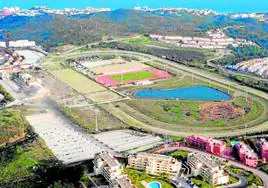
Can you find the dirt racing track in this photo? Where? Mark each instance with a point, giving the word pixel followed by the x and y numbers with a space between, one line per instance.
pixel 128 118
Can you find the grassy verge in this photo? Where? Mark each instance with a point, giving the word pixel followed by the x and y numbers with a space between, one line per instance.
pixel 200 182
pixel 54 66
pixel 176 138
pixel 86 119
pixel 140 40
pixel 8 97
pixel 180 154
pixel 252 179
pixel 12 125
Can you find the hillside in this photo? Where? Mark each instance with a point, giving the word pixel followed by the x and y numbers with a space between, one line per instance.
pixel 52 30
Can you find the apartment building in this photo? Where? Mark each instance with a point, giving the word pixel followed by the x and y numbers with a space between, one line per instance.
pixel 262 144
pixel 213 146
pixel 155 164
pixel 247 155
pixel 106 165
pixel 206 167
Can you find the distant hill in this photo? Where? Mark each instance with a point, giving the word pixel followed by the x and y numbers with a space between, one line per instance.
pixel 52 30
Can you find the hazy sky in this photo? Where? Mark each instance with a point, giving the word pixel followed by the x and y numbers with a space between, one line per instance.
pixel 218 5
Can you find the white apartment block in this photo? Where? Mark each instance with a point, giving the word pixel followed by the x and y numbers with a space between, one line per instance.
pixel 21 44
pixel 106 165
pixel 216 39
pixel 155 164
pixel 206 167
pixel 3 45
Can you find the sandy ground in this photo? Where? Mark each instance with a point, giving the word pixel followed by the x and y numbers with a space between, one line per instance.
pixel 103 96
pixel 101 63
pixel 119 68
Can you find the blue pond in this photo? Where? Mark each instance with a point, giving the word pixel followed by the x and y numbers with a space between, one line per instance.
pixel 195 93
pixel 154 185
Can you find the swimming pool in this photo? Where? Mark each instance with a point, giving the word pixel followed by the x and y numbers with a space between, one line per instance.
pixel 195 93
pixel 154 185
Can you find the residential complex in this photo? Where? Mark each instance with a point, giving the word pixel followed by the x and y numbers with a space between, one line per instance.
pixel 172 10
pixel 247 155
pixel 155 164
pixel 213 146
pixel 39 10
pixel 217 147
pixel 18 61
pixel 206 167
pixel 216 40
pixel 257 67
pixel 262 144
pixel 21 44
pixel 106 165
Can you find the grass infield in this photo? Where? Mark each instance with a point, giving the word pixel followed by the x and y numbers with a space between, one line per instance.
pixel 133 76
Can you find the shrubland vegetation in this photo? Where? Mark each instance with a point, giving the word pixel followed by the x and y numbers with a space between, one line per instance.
pixel 252 179
pixel 179 55
pixel 21 160
pixel 12 126
pixel 8 97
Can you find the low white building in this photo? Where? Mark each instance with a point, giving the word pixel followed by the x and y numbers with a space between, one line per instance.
pixel 3 45
pixel 21 44
pixel 206 167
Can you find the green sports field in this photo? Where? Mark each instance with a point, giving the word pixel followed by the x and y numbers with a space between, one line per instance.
pixel 133 76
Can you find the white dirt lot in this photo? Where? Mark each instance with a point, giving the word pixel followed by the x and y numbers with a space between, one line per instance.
pixel 119 68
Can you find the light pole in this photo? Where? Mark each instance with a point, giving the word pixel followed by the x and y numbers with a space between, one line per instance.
pixel 245 130
pixel 96 120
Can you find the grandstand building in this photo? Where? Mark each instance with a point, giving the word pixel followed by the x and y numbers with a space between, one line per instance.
pixel 155 164
pixel 106 165
pixel 205 166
